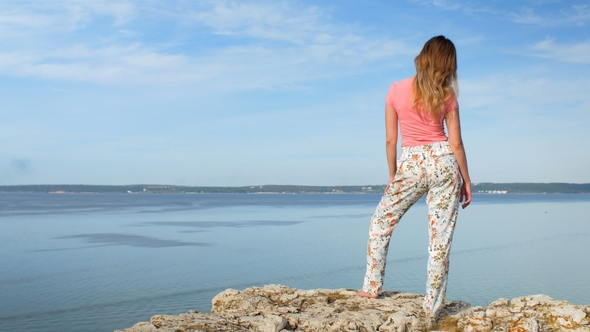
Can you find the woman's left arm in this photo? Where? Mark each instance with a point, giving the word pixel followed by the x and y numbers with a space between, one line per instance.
pixel 456 144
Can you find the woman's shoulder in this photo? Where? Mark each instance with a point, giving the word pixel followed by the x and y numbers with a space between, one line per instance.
pixel 404 84
pixel 399 90
pixel 405 81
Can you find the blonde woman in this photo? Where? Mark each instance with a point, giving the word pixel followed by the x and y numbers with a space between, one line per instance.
pixel 430 163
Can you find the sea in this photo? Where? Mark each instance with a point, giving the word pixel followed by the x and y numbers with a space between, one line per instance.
pixel 102 262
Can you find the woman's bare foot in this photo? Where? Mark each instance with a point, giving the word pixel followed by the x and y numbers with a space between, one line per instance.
pixel 367 295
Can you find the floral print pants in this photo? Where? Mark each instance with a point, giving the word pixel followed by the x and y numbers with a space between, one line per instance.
pixel 425 169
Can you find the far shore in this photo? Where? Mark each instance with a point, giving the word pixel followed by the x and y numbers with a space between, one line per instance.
pixel 478 188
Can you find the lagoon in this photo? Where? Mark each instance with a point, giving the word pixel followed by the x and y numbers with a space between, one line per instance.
pixel 100 262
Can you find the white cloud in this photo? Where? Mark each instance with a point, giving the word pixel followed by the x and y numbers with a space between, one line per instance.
pixel 26 17
pixel 519 120
pixel 573 14
pixel 14 19
pixel 315 48
pixel 526 16
pixel 449 5
pixel 120 11
pixel 232 67
pixel 502 91
pixel 471 7
pixel 15 23
pixel 578 53
pixel 272 20
pixel 308 30
pixel 539 14
pixel 108 65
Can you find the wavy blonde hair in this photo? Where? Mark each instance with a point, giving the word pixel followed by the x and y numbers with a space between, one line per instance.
pixel 436 76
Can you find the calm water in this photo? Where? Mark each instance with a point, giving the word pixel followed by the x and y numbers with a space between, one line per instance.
pixel 100 262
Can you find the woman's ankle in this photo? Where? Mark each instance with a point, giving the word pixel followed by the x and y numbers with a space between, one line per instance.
pixel 362 293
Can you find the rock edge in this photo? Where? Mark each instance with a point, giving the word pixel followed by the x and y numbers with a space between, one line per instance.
pixel 278 308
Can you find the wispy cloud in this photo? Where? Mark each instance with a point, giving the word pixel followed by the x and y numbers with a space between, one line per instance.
pixel 472 7
pixel 12 20
pixel 120 11
pixel 536 13
pixel 311 46
pixel 570 15
pixel 502 91
pixel 107 65
pixel 26 17
pixel 182 91
pixel 445 4
pixel 272 20
pixel 578 53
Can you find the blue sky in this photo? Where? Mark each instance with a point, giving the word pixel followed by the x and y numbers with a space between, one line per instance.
pixel 238 93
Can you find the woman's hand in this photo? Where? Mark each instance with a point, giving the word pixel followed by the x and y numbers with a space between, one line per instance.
pixel 465 194
pixel 456 145
pixel 388 184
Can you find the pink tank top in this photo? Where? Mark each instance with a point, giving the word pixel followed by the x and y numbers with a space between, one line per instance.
pixel 416 128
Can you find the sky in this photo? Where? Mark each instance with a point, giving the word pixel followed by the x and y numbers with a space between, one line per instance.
pixel 237 93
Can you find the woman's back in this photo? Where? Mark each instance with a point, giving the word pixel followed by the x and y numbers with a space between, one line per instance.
pixel 417 128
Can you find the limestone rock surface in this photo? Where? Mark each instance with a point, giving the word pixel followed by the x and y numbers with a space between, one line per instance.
pixel 277 308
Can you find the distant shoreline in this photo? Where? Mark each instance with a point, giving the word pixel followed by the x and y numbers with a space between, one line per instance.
pixel 480 188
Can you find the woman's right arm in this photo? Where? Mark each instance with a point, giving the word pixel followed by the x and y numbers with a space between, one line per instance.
pixel 456 144
pixel 391 141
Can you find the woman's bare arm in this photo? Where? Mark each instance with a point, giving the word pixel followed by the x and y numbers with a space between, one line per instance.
pixel 391 121
pixel 456 144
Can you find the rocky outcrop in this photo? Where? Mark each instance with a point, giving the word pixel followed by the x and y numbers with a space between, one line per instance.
pixel 275 308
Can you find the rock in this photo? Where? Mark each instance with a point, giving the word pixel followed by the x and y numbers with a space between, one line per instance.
pixel 475 320
pixel 277 308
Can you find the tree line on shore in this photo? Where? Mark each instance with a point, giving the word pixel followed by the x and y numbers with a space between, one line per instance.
pixel 513 188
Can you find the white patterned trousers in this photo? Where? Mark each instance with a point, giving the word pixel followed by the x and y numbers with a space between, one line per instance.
pixel 426 169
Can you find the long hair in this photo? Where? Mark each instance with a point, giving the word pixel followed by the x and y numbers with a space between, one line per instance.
pixel 436 76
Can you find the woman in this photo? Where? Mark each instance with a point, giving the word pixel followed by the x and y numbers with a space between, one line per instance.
pixel 430 163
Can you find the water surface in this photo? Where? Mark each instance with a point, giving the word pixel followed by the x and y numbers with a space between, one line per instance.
pixel 100 262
